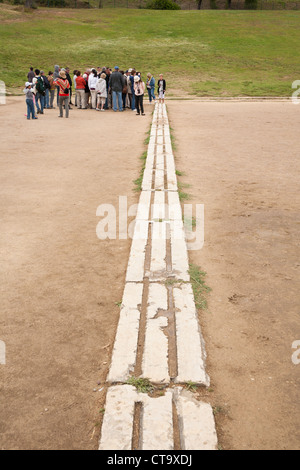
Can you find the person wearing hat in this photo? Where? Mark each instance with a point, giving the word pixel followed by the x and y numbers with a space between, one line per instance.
pixel 29 100
pixel 139 91
pixel 64 92
pixel 117 83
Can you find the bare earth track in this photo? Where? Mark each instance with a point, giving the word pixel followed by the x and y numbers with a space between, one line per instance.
pixel 59 283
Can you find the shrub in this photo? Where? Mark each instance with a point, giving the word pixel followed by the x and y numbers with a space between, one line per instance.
pixel 213 5
pixel 250 4
pixel 162 5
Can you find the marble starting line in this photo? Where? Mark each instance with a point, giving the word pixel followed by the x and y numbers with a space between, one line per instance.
pixel 158 335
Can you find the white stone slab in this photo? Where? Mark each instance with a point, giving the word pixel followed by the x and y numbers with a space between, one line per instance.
pixel 159 181
pixel 197 423
pixel 180 261
pixel 174 206
pixel 160 161
pixel 190 347
pixel 158 211
pixel 158 264
pixel 117 427
pixel 168 148
pixel 135 268
pixel 157 423
pixel 155 359
pixel 156 430
pixel 125 347
pixel 150 161
pixel 147 179
pixel 143 211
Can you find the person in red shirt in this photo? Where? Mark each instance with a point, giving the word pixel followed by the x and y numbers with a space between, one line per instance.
pixel 64 93
pixel 80 90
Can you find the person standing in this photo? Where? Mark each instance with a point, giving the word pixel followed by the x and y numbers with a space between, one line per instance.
pixel 29 100
pixel 108 99
pixel 30 75
pixel 80 90
pixel 74 83
pixel 87 91
pixel 47 90
pixel 64 93
pixel 52 88
pixel 116 83
pixel 39 91
pixel 101 91
pixel 56 76
pixel 151 87
pixel 93 79
pixel 162 86
pixel 139 91
pixel 67 69
pixel 131 78
pixel 125 89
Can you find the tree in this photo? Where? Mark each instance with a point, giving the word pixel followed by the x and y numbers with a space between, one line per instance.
pixel 28 3
pixel 199 2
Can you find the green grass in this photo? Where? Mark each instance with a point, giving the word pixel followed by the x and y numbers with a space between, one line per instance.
pixel 206 53
pixel 139 181
pixel 142 385
pixel 199 285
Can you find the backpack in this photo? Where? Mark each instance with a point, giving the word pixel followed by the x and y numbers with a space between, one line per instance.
pixel 40 86
pixel 46 82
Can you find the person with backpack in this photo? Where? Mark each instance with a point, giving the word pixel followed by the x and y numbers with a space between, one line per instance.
pixel 64 93
pixel 47 90
pixel 39 91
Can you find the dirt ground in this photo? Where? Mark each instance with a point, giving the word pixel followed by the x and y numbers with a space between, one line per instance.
pixel 59 282
pixel 242 161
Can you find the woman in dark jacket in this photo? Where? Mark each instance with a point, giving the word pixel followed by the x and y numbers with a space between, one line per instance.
pixel 161 90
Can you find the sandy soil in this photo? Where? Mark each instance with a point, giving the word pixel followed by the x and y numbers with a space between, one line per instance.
pixel 59 283
pixel 242 160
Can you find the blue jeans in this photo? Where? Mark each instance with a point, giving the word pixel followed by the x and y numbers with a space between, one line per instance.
pixel 41 98
pixel 117 95
pixel 30 109
pixel 133 101
pixel 151 94
pixel 47 104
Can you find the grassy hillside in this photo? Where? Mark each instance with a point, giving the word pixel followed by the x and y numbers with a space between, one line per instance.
pixel 208 53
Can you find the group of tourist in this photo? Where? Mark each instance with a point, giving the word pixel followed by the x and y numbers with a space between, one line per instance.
pixel 98 88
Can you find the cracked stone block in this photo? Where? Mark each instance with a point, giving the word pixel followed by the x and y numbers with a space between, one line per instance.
pixel 156 426
pixel 125 347
pixel 155 358
pixel 191 354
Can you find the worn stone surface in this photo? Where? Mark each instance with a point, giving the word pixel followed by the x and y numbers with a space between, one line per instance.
pixel 180 261
pixel 155 359
pixel 136 264
pixel 190 349
pixel 125 347
pixel 196 421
